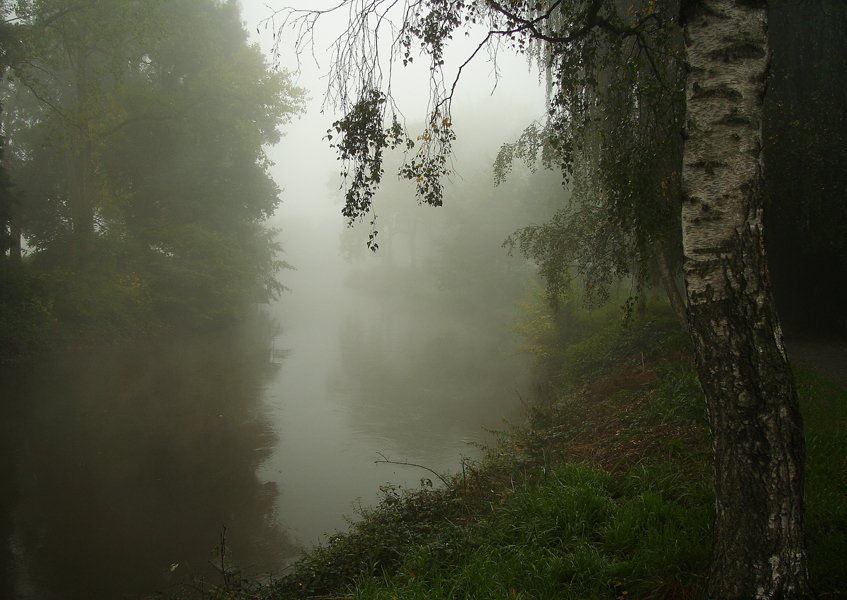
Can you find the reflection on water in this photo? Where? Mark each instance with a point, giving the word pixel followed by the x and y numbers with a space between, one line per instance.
pixel 120 463
pixel 427 386
pixel 351 392
pixel 117 464
pixel 370 374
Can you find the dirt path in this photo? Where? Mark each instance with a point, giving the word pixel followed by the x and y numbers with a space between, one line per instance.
pixel 824 358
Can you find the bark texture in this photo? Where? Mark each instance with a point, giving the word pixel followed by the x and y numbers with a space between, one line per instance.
pixel 757 433
pixel 669 284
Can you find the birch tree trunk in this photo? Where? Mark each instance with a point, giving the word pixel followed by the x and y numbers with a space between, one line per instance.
pixel 756 428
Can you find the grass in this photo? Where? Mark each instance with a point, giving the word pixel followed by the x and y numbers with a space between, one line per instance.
pixel 824 408
pixel 595 497
pixel 604 493
pixel 580 532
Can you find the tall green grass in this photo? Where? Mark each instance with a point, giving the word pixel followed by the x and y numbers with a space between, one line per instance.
pixel 679 396
pixel 578 533
pixel 576 344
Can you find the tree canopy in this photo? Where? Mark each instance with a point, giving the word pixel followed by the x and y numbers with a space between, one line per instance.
pixel 614 73
pixel 137 135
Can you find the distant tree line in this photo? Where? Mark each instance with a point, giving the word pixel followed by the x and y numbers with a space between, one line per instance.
pixel 135 183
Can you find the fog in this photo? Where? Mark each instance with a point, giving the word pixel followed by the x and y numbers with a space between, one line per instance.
pixel 123 465
pixel 395 353
pixel 402 360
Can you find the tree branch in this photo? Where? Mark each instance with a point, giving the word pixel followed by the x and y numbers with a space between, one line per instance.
pixel 408 464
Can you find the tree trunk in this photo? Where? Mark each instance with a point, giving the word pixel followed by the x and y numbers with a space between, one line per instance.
pixel 15 247
pixel 669 284
pixel 757 433
pixel 81 193
pixel 79 201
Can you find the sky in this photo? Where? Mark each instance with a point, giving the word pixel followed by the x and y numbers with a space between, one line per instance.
pixel 306 167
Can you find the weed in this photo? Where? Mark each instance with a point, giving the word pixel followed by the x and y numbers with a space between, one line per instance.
pixel 580 532
pixel 233 582
pixel 679 397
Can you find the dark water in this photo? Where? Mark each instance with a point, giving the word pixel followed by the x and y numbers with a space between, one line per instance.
pixel 120 463
pixel 121 467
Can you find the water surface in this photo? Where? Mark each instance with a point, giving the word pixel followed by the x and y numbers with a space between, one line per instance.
pixel 122 466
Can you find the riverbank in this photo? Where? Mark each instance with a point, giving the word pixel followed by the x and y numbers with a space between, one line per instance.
pixel 605 492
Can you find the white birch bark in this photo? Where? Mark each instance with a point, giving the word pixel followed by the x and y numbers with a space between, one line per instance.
pixel 757 439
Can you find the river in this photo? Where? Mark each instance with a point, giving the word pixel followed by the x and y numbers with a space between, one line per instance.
pixel 122 466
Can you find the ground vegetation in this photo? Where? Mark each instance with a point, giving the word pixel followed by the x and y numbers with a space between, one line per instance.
pixel 605 491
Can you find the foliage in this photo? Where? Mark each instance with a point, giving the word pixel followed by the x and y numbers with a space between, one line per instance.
pixel 573 530
pixel 7 200
pixel 449 262
pixel 604 493
pixel 574 344
pixel 680 397
pixel 540 518
pixel 578 532
pixel 137 150
pixel 233 583
pixel 614 73
pixel 377 541
pixel 27 303
pixel 614 113
pixel 527 522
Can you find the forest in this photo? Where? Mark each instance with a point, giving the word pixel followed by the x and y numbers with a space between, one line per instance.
pixel 136 186
pixel 135 174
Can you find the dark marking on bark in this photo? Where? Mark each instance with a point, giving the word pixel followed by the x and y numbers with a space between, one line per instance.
pixel 719 91
pixel 709 166
pixel 753 4
pixel 688 199
pixel 689 127
pixel 689 10
pixel 740 51
pixel 736 120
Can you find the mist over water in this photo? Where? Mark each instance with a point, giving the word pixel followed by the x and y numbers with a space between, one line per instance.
pixel 372 373
pixel 123 462
pixel 122 466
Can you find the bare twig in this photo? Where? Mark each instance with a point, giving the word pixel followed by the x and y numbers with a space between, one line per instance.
pixel 408 464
